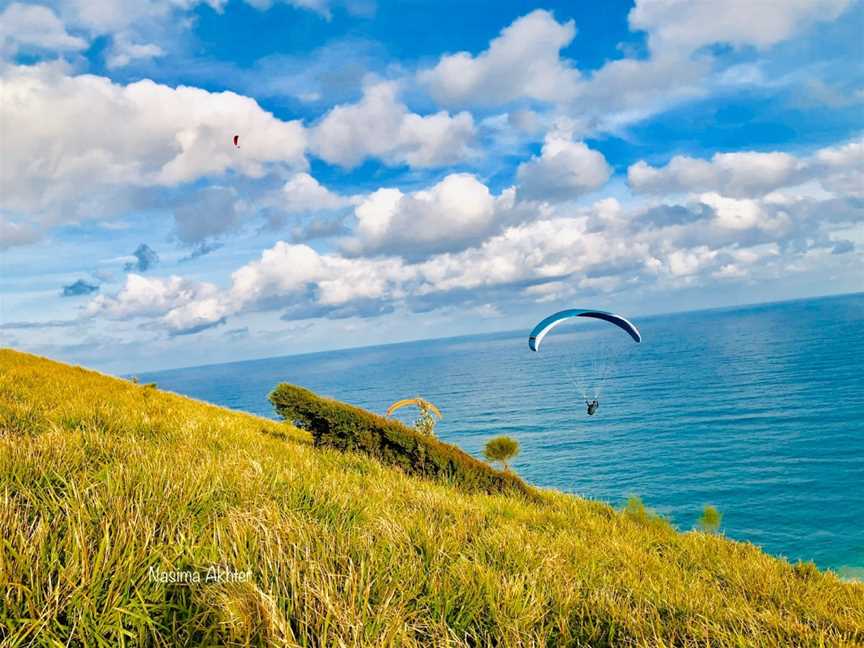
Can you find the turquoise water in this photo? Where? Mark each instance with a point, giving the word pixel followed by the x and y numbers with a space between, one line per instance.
pixel 756 410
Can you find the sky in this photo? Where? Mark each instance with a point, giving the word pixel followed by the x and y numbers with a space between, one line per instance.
pixel 413 169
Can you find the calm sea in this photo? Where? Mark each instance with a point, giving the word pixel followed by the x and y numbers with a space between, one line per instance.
pixel 756 410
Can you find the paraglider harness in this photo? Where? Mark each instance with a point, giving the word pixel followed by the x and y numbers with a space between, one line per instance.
pixel 592 406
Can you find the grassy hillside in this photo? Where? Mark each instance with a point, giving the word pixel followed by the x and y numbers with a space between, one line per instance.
pixel 102 480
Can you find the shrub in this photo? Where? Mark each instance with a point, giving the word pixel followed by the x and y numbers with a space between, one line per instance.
pixel 425 423
pixel 636 510
pixel 503 449
pixel 348 428
pixel 710 519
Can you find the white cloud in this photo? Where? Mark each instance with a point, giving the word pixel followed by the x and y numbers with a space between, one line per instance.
pixel 113 17
pixel 149 297
pixel 734 214
pixel 523 61
pixel 103 17
pixel 123 51
pixel 379 125
pixel 457 211
pixel 195 316
pixel 751 173
pixel 690 24
pixel 565 169
pixel 314 210
pixel 35 27
pixel 628 90
pixel 86 131
pixel 842 168
pixel 13 233
pixel 733 174
pixel 208 213
pixel 137 30
pixel 288 273
pixel 321 7
pixel 302 193
pixel 550 258
pixel 681 263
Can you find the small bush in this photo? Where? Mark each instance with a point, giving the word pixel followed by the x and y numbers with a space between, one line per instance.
pixel 502 449
pixel 710 519
pixel 425 423
pixel 348 428
pixel 636 510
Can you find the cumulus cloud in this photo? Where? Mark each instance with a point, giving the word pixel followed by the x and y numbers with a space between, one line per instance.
pixel 320 227
pixel 78 288
pixel 841 168
pixel 196 315
pixel 302 193
pixel 118 16
pixel 102 17
pixel 35 27
pixel 289 271
pixel 628 90
pixel 679 67
pixel 86 130
pixel 687 25
pixel 140 30
pixel 145 258
pixel 750 173
pixel 565 169
pixel 522 62
pixel 208 213
pixel 452 214
pixel 307 204
pixel 712 238
pixel 734 174
pixel 381 126
pixel 181 304
pixel 124 51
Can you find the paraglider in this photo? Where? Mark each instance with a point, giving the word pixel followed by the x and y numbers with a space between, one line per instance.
pixel 598 354
pixel 237 141
pixel 552 321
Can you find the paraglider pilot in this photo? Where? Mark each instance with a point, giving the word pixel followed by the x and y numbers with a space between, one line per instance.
pixel 540 331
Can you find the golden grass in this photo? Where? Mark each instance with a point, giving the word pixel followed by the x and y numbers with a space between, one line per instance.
pixel 102 479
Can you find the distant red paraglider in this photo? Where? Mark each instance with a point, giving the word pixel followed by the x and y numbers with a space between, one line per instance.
pixel 237 141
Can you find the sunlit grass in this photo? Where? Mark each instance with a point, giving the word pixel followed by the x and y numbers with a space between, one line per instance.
pixel 102 479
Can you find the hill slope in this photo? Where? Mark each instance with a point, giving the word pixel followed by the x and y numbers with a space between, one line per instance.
pixel 106 487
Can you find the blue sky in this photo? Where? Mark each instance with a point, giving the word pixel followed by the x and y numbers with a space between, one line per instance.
pixel 414 169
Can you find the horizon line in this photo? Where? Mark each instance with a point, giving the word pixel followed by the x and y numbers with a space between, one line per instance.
pixel 491 333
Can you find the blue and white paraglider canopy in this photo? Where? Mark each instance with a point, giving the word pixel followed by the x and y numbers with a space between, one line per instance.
pixel 552 321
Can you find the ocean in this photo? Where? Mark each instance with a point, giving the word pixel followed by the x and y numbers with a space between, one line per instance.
pixel 757 410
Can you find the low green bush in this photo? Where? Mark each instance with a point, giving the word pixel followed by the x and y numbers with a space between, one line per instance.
pixel 345 427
